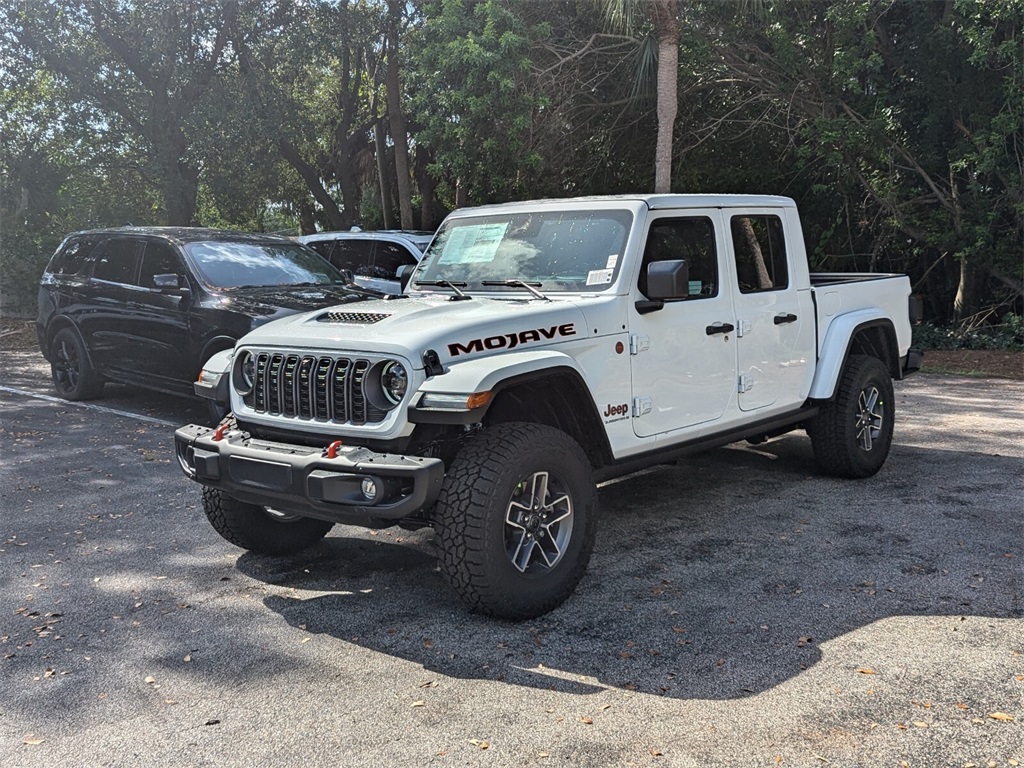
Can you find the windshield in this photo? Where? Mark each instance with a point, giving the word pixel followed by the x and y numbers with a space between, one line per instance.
pixel 233 265
pixel 556 250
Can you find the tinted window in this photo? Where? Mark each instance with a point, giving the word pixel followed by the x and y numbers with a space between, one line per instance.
pixel 158 259
pixel 760 253
pixel 231 265
pixel 387 259
pixel 115 261
pixel 354 255
pixel 71 259
pixel 692 239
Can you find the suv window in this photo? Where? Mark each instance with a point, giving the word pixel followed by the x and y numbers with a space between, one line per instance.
pixel 71 259
pixel 388 258
pixel 760 253
pixel 115 261
pixel 158 259
pixel 692 239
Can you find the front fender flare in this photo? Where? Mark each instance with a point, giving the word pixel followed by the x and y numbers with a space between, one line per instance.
pixel 486 374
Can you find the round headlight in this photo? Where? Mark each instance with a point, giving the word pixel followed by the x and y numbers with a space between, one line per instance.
pixel 394 380
pixel 245 373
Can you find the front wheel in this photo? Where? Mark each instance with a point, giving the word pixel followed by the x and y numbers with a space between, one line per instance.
pixel 852 434
pixel 517 516
pixel 262 530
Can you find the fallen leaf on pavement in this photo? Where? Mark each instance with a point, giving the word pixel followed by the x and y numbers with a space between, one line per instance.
pixel 866 671
pixel 587 720
pixel 1001 716
pixel 31 738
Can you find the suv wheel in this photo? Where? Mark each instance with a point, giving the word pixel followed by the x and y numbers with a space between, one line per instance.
pixel 73 375
pixel 517 517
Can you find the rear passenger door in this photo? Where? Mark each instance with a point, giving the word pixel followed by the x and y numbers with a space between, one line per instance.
pixel 775 322
pixel 104 317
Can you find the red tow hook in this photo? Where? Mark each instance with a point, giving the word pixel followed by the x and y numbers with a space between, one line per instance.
pixel 332 450
pixel 219 434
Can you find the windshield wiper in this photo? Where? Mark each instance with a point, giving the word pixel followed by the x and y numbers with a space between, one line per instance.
pixel 459 295
pixel 519 284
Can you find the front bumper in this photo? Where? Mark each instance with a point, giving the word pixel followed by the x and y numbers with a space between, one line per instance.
pixel 297 479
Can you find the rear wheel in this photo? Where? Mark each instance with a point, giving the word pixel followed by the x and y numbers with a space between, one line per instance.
pixel 262 530
pixel 516 518
pixel 852 434
pixel 74 378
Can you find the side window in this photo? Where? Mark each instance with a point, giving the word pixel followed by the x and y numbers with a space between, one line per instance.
pixel 388 258
pixel 760 253
pixel 692 239
pixel 354 255
pixel 71 259
pixel 158 259
pixel 115 261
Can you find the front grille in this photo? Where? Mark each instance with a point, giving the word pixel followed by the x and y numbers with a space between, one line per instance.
pixel 307 387
pixel 354 318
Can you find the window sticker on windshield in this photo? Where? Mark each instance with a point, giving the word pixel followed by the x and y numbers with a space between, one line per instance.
pixel 612 261
pixel 473 244
pixel 599 276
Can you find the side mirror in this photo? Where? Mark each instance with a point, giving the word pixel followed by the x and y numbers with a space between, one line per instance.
pixel 404 274
pixel 167 282
pixel 668 280
pixel 171 283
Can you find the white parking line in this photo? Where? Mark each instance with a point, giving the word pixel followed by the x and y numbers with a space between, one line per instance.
pixel 88 406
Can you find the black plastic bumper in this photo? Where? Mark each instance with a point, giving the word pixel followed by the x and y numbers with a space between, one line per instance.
pixel 309 481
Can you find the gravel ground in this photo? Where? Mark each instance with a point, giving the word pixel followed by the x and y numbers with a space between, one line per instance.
pixel 739 610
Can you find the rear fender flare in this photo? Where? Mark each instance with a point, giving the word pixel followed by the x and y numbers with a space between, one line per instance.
pixel 836 349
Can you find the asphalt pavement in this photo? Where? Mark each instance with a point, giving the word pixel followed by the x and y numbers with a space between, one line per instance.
pixel 739 610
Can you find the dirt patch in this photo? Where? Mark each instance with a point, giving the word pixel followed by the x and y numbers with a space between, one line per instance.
pixel 18 334
pixel 999 363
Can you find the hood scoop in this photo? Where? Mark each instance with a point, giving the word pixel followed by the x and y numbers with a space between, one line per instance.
pixel 352 318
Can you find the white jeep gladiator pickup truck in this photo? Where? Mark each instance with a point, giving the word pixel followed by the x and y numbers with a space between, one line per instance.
pixel 541 348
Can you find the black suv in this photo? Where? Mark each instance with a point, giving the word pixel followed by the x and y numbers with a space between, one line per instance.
pixel 149 305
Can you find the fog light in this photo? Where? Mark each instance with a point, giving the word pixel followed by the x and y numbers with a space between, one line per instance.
pixel 369 488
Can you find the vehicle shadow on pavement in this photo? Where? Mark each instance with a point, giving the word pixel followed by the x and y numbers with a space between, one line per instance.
pixel 719 578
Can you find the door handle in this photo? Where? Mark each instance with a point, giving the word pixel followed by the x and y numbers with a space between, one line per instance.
pixel 785 318
pixel 719 328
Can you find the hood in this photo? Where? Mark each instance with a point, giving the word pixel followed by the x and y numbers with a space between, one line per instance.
pixel 268 301
pixel 456 330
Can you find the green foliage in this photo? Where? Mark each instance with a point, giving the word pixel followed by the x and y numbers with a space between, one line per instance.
pixel 472 97
pixel 1008 334
pixel 896 125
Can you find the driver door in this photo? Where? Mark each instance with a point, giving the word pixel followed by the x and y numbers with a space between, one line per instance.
pixel 683 356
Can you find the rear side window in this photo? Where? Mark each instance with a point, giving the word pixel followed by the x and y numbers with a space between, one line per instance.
pixel 71 259
pixel 115 261
pixel 760 250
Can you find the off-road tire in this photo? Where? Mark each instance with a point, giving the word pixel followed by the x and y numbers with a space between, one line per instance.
pixel 852 433
pixel 253 528
pixel 482 485
pixel 74 378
